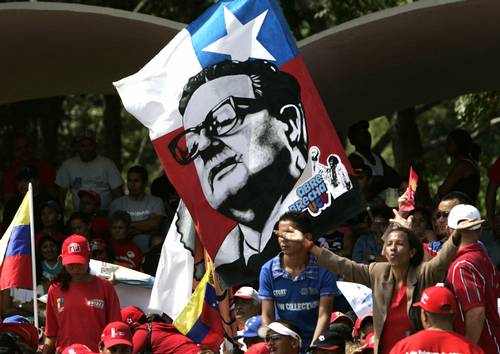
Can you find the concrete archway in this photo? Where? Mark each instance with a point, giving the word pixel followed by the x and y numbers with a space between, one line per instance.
pixel 373 65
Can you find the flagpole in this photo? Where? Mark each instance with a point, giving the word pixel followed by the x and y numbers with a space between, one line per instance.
pixel 33 260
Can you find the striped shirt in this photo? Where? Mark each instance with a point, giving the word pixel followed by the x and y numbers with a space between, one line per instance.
pixel 474 279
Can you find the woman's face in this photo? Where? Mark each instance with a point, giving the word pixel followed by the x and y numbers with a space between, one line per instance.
pixel 397 249
pixel 48 250
pixel 76 270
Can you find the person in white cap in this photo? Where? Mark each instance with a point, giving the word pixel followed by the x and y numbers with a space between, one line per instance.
pixel 247 304
pixel 474 279
pixel 283 337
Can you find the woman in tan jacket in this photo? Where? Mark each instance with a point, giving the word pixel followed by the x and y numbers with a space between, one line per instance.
pixel 395 284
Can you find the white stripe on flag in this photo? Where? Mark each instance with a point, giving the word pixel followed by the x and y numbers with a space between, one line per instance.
pixel 174 276
pixel 152 94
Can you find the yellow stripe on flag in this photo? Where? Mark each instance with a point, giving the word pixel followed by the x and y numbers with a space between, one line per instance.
pixel 190 314
pixel 21 218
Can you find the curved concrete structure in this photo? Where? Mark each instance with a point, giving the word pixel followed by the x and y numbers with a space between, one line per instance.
pixel 373 65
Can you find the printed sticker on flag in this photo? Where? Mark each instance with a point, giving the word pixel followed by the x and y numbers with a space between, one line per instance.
pixel 242 133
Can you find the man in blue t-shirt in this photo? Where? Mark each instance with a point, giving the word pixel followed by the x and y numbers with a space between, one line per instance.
pixel 293 287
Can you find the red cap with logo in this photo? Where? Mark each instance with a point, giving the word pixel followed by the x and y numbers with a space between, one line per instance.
pixel 77 349
pixel 438 299
pixel 116 333
pixel 131 314
pixel 340 317
pixel 75 249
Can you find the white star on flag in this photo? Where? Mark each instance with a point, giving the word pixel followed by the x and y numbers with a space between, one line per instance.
pixel 241 42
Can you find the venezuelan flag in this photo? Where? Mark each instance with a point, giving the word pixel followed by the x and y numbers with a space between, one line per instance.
pixel 200 319
pixel 15 251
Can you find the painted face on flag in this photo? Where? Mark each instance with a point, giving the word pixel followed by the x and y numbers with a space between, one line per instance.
pixel 242 144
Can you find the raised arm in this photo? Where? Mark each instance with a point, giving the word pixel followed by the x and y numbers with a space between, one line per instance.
pixel 352 271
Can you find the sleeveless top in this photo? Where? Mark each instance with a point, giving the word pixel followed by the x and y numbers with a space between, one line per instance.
pixel 468 185
pixel 377 168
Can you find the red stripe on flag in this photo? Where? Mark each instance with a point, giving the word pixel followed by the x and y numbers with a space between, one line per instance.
pixel 211 226
pixel 15 272
pixel 323 135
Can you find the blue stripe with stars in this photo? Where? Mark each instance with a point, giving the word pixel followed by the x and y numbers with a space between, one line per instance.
pixel 273 35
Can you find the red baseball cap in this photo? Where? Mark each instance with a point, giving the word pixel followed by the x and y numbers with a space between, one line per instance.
pixel 340 317
pixel 20 326
pixel 131 315
pixel 438 299
pixel 77 349
pixel 94 195
pixel 75 249
pixel 116 333
pixel 360 321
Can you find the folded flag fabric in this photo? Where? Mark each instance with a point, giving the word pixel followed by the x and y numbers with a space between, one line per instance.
pixel 200 319
pixel 15 251
pixel 242 133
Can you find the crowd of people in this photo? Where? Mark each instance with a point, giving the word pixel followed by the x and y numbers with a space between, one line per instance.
pixel 433 271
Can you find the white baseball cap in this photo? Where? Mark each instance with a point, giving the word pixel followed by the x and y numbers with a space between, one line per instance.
pixel 463 212
pixel 247 292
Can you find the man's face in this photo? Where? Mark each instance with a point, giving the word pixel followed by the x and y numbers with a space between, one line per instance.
pixel 117 349
pixel 441 216
pixel 87 150
pixel 135 184
pixel 22 149
pixel 88 205
pixel 281 344
pixel 245 308
pixel 249 145
pixel 290 248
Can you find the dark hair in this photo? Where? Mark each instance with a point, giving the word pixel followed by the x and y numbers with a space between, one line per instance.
pixel 139 170
pixel 343 330
pixel 8 343
pixel 291 325
pixel 461 197
pixel 414 243
pixel 120 215
pixel 463 141
pixel 80 216
pixel 301 220
pixel 441 317
pixel 267 81
pixel 63 278
pixel 425 213
pixel 354 129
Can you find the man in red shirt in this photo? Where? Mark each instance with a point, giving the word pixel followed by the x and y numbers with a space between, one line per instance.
pixel 474 279
pixel 439 308
pixel 156 335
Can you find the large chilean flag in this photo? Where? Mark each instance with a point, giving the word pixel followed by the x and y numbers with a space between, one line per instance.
pixel 239 30
pixel 15 251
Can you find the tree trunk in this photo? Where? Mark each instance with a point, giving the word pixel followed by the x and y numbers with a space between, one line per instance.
pixel 407 148
pixel 112 127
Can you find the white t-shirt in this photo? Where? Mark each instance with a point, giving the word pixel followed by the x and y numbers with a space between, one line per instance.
pixel 139 210
pixel 99 175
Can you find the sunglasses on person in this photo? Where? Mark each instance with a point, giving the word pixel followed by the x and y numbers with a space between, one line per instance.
pixel 441 214
pixel 220 121
pixel 272 338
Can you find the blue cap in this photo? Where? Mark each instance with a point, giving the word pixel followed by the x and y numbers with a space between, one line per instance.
pixel 16 319
pixel 252 326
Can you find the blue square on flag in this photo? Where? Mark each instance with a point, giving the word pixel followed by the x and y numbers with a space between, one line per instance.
pixel 242 133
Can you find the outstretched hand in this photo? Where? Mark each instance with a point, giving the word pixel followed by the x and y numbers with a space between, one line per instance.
pixel 290 234
pixel 400 220
pixel 467 224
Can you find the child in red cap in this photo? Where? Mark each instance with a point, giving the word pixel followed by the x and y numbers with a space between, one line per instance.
pixel 79 305
pixel 116 338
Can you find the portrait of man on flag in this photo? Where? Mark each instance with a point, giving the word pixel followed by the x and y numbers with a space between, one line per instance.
pixel 242 133
pixel 245 132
